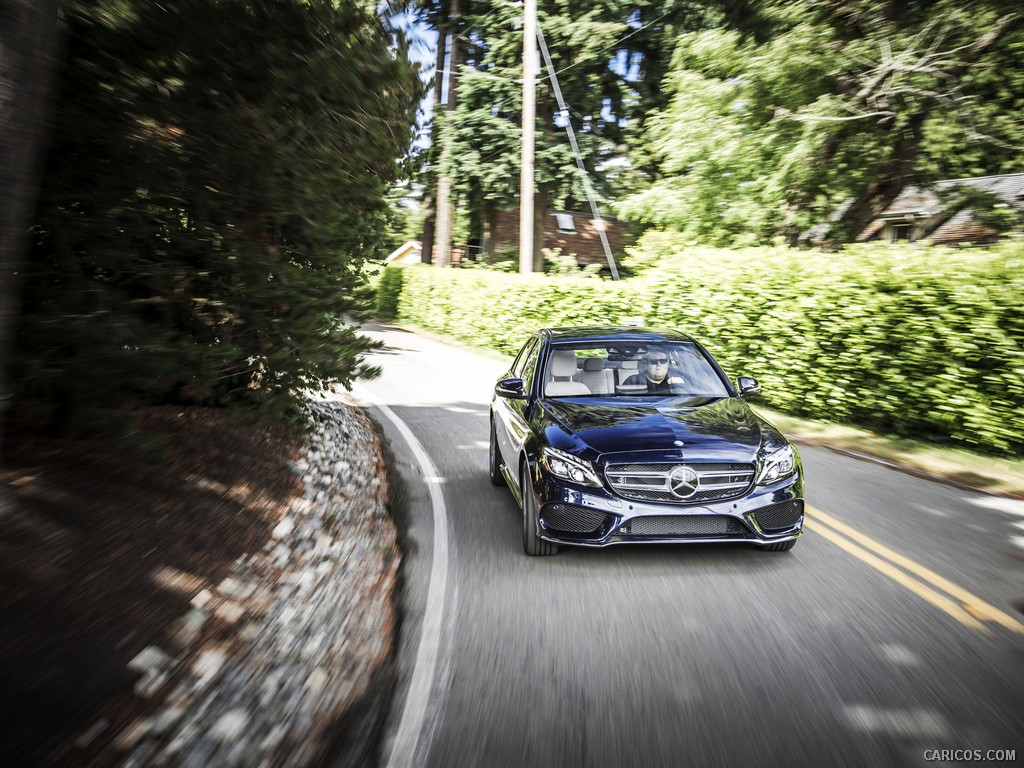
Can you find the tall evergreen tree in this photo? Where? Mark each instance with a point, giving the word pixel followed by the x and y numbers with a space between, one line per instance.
pixel 434 14
pixel 30 42
pixel 608 55
pixel 218 174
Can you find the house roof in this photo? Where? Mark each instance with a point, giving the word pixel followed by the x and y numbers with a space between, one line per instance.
pixel 405 250
pixel 917 203
pixel 1009 186
pixel 962 226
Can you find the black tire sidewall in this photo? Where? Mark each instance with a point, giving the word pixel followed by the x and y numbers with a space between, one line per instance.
pixel 533 544
pixel 526 493
pixel 494 460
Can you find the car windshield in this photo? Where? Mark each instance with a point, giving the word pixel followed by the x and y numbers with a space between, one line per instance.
pixel 631 369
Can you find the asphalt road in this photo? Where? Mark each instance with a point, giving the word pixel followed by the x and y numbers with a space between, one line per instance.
pixel 888 636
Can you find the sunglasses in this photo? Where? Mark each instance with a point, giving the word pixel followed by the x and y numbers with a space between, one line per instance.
pixel 657 360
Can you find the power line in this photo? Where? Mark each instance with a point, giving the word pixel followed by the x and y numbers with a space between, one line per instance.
pixel 598 220
pixel 611 45
pixel 621 40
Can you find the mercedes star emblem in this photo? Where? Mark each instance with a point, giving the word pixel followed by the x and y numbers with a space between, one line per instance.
pixel 683 482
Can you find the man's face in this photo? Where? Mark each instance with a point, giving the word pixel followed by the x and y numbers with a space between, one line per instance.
pixel 657 366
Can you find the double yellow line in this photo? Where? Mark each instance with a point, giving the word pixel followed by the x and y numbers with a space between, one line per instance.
pixel 963 606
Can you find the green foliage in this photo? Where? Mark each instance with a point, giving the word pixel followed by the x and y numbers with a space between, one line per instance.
pixel 405 218
pixel 610 55
pixel 389 290
pixel 217 178
pixel 925 343
pixel 504 262
pixel 765 135
pixel 558 263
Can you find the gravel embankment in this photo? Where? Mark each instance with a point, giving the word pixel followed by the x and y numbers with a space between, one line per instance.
pixel 312 624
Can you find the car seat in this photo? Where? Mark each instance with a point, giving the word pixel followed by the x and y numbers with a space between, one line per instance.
pixel 596 376
pixel 561 370
pixel 626 369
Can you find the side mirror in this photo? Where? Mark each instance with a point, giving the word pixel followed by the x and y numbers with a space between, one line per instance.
pixel 748 386
pixel 510 388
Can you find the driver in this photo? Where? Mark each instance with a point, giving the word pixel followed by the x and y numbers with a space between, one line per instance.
pixel 656 376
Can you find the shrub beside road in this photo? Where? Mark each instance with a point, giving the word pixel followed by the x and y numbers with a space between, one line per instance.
pixel 918 343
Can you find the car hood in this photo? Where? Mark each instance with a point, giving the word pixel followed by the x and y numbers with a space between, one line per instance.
pixel 711 429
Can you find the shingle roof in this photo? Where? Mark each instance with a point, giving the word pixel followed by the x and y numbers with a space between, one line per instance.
pixel 1009 186
pixel 917 203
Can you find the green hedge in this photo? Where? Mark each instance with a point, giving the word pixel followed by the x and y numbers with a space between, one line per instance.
pixel 389 289
pixel 915 342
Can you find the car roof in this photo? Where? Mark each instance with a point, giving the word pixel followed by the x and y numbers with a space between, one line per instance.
pixel 624 333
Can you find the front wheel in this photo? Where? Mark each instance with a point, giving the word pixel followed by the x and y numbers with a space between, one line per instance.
pixel 533 545
pixel 494 459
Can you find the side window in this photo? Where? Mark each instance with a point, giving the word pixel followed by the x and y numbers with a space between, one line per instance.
pixel 530 367
pixel 524 355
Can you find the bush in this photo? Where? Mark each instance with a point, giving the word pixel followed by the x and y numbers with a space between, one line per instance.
pixel 916 342
pixel 389 289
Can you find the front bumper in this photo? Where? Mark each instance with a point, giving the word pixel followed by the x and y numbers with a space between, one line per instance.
pixel 594 517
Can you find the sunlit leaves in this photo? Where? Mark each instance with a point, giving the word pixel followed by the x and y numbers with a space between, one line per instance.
pixel 766 134
pixel 927 343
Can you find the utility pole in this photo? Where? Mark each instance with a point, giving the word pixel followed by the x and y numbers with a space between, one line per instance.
pixel 529 120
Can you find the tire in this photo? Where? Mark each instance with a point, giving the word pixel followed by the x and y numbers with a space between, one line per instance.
pixel 494 459
pixel 780 546
pixel 533 545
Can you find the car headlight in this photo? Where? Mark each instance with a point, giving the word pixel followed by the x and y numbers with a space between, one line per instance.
pixel 778 465
pixel 568 467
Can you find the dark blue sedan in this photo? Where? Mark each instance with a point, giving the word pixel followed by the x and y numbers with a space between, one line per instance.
pixel 629 435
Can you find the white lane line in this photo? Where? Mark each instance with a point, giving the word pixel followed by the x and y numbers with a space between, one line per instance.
pixel 899 654
pixel 902 722
pixel 414 712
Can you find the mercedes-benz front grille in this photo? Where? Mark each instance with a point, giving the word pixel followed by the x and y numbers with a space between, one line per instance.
pixel 685 525
pixel 680 482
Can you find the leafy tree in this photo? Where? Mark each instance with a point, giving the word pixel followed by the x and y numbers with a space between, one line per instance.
pixel 769 130
pixel 610 56
pixel 218 176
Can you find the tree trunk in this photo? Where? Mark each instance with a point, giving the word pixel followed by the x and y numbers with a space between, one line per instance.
pixel 429 210
pixel 490 242
pixel 443 257
pixel 29 52
pixel 445 209
pixel 540 207
pixel 880 192
pixel 427 238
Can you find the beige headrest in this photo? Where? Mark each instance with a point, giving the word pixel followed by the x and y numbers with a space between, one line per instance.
pixel 563 363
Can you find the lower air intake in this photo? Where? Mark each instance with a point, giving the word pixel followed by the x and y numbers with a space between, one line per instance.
pixel 571 519
pixel 684 525
pixel 778 517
